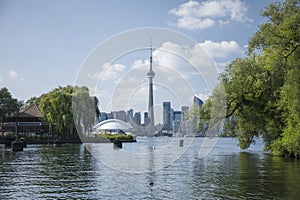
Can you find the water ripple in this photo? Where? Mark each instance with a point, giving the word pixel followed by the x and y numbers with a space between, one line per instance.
pixel 71 172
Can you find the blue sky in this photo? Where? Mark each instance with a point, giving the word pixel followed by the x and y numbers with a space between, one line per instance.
pixel 44 43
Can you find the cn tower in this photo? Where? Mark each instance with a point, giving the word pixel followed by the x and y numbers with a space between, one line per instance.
pixel 151 75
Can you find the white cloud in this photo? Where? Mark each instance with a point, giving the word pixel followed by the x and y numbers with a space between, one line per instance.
pixel 109 72
pixel 94 76
pixel 104 99
pixel 119 68
pixel 12 74
pixel 222 49
pixel 202 15
pixel 186 60
pixel 140 63
pixel 191 23
pixel 112 71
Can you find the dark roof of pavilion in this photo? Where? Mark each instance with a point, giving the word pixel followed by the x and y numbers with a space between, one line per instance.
pixel 30 111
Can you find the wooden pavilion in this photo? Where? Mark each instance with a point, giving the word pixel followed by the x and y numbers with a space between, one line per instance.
pixel 28 121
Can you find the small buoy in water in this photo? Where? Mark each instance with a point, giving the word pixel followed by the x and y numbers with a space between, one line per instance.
pixel 17 145
pixel 117 144
pixel 181 143
pixel 151 183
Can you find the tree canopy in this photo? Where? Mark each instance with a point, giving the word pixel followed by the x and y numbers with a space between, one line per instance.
pixel 68 108
pixel 8 104
pixel 263 89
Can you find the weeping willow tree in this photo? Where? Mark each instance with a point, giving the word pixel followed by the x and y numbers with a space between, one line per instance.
pixel 85 110
pixel 63 106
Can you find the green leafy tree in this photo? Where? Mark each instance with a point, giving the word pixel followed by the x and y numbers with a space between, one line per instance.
pixel 32 100
pixel 64 105
pixel 8 105
pixel 288 143
pixel 56 109
pixel 213 112
pixel 247 98
pixel 278 45
pixel 193 116
pixel 263 89
pixel 85 110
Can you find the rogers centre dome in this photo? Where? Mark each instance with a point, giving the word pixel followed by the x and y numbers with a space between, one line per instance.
pixel 112 124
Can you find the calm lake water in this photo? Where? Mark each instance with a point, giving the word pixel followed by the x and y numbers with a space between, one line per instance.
pixel 98 171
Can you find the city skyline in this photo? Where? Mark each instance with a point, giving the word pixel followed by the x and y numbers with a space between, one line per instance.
pixel 131 114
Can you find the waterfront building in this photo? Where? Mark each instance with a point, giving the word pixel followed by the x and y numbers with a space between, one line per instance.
pixel 198 101
pixel 167 116
pixel 129 115
pixel 178 116
pixel 176 126
pixel 106 116
pixel 185 123
pixel 103 116
pixel 137 118
pixel 27 121
pixel 121 115
pixel 146 118
pixel 172 116
pixel 184 110
pixel 110 115
pixel 195 121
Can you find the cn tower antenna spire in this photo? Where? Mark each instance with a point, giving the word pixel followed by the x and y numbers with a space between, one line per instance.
pixel 151 54
pixel 151 75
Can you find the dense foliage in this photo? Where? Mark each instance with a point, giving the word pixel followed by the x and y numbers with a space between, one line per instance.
pixel 85 109
pixel 8 105
pixel 64 106
pixel 263 89
pixel 113 137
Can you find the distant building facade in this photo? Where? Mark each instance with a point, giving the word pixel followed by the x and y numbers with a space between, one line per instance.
pixel 121 115
pixel 178 117
pixel 137 119
pixel 198 101
pixel 176 121
pixel 146 118
pixel 129 115
pixel 184 110
pixel 167 116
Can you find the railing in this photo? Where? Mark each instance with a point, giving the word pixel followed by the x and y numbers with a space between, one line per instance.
pixel 23 124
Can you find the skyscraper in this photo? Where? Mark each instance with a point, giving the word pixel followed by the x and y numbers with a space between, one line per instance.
pixel 178 115
pixel 184 110
pixel 137 118
pixel 151 75
pixel 129 115
pixel 167 116
pixel 146 118
pixel 198 101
